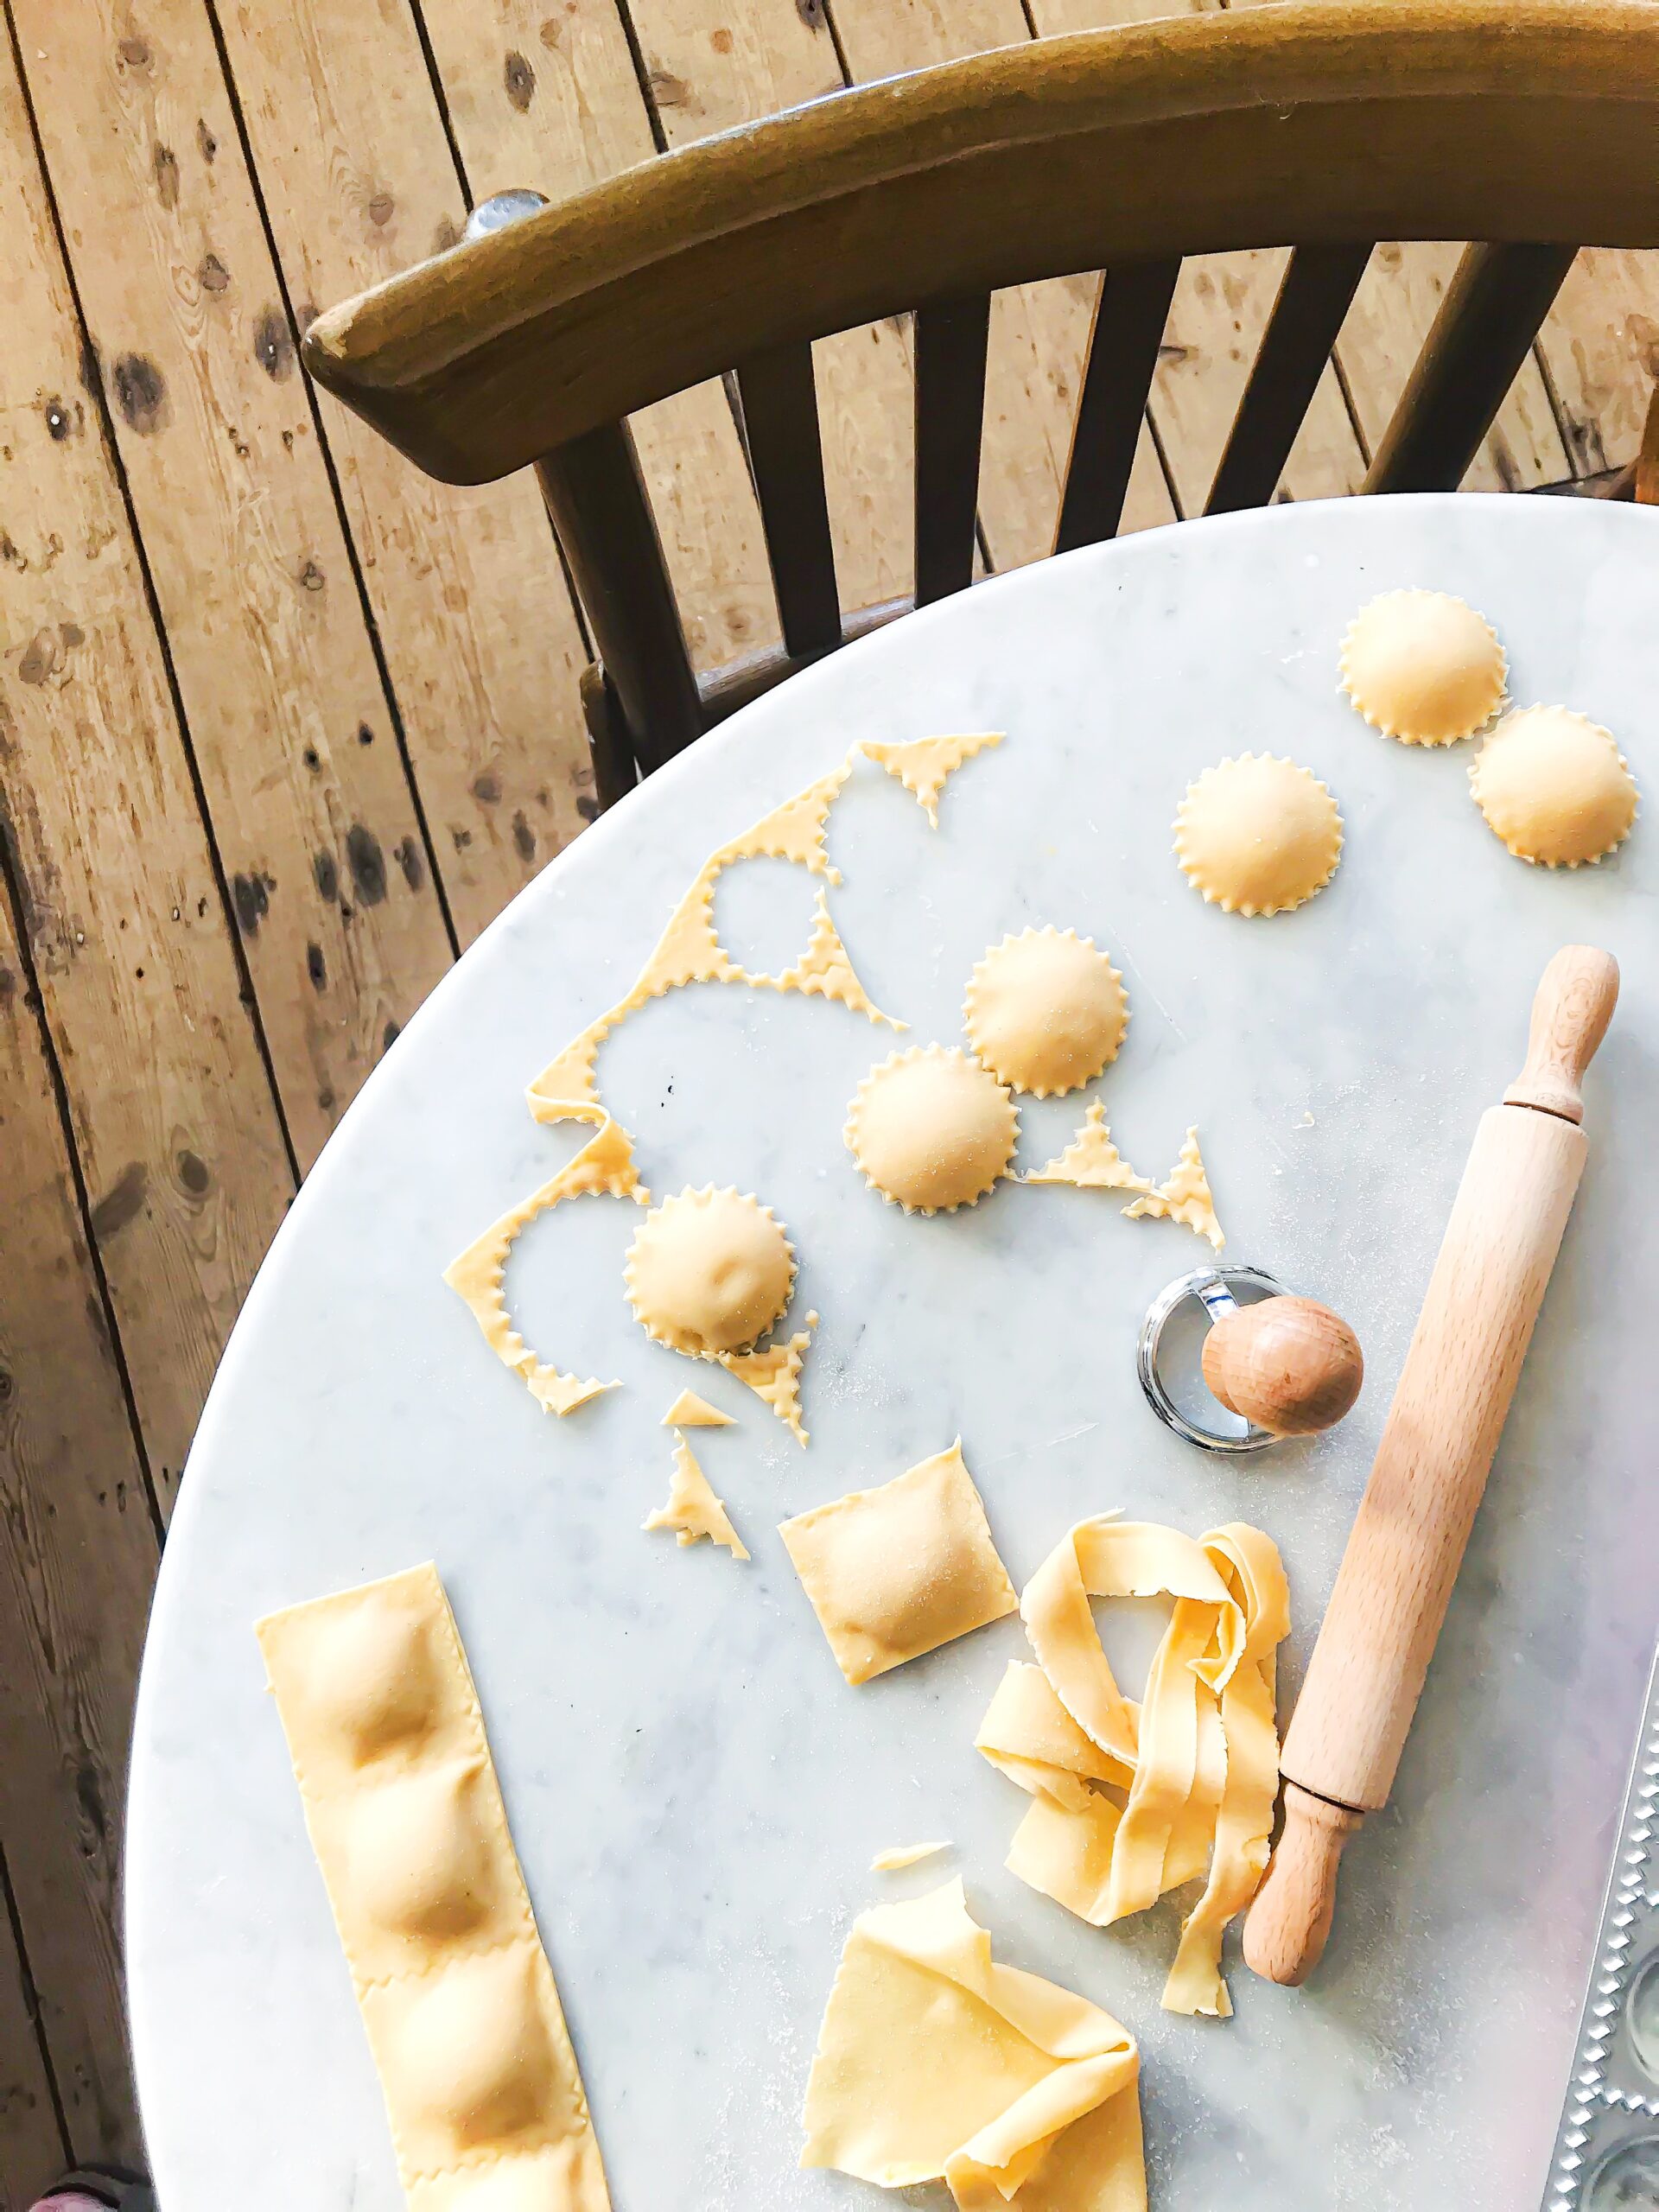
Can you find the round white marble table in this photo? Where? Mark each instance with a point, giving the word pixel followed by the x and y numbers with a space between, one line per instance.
pixel 694 1794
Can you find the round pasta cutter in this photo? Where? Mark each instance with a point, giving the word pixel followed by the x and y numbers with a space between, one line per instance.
pixel 1237 1340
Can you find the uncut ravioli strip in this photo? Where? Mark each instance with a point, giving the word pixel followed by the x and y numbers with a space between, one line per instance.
pixel 404 1812
pixel 895 1572
pixel 935 2063
pixel 604 1166
pixel 1198 1759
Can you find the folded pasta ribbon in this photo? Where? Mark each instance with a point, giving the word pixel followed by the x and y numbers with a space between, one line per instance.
pixel 1197 1759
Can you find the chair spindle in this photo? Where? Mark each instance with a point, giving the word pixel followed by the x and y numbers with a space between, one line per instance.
pixel 1123 340
pixel 778 403
pixel 596 497
pixel 1316 293
pixel 1490 315
pixel 951 337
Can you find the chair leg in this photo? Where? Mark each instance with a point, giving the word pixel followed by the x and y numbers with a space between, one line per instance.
pixel 615 769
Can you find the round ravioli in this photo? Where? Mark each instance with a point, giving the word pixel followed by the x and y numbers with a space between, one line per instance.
pixel 708 1272
pixel 1258 835
pixel 1555 786
pixel 932 1129
pixel 1046 1011
pixel 1423 667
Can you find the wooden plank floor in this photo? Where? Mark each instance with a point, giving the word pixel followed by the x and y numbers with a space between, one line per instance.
pixel 283 725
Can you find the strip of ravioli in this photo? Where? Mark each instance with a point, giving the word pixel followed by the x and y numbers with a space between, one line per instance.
pixel 604 1165
pixel 935 2064
pixel 404 1812
pixel 1199 1756
pixel 690 949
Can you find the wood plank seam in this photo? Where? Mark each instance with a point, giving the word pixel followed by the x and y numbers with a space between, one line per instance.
pixel 32 2006
pixel 377 644
pixel 98 400
pixel 12 882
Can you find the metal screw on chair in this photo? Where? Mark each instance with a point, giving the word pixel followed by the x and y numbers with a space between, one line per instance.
pixel 502 208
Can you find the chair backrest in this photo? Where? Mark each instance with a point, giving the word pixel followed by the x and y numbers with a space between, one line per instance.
pixel 1530 129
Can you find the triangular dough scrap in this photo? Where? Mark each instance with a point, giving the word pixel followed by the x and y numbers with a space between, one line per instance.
pixel 795 831
pixel 898 1856
pixel 775 1376
pixel 922 765
pixel 935 2064
pixel 1092 1162
pixel 825 971
pixel 566 1086
pixel 604 1167
pixel 1184 1197
pixel 692 1511
pixel 690 1411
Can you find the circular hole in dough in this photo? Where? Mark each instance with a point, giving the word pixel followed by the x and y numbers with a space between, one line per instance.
pixel 1045 1012
pixel 1258 835
pixel 710 1272
pixel 932 1129
pixel 1423 667
pixel 1554 786
pixel 416 1858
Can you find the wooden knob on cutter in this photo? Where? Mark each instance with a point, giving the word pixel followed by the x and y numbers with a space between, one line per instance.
pixel 1289 1364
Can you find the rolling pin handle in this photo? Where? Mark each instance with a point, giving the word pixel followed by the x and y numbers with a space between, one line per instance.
pixel 1575 1002
pixel 1286 1927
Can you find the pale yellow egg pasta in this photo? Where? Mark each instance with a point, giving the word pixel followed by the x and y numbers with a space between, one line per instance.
pixel 898 1856
pixel 1198 1759
pixel 932 1129
pixel 1555 786
pixel 404 1814
pixel 934 2063
pixel 1092 1162
pixel 895 1572
pixel 924 765
pixel 1185 1197
pixel 775 1376
pixel 1423 667
pixel 708 1272
pixel 690 1411
pixel 692 1509
pixel 1045 1012
pixel 1258 835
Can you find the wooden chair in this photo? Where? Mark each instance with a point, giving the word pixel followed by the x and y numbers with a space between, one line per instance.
pixel 1529 128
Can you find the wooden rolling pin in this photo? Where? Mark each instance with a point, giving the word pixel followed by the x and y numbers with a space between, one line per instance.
pixel 1392 1589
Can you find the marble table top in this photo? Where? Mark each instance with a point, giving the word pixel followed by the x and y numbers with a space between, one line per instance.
pixel 695 1793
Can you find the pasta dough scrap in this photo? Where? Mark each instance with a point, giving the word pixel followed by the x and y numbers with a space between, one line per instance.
pixel 1198 1759
pixel 710 1272
pixel 692 1509
pixel 1423 666
pixel 775 1376
pixel 689 951
pixel 932 1129
pixel 924 765
pixel 1092 1160
pixel 1258 835
pixel 1045 1012
pixel 895 1572
pixel 690 1411
pixel 1555 786
pixel 900 1855
pixel 1184 1197
pixel 404 1812
pixel 935 2063
pixel 604 1165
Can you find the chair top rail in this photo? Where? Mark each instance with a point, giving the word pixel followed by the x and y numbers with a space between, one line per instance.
pixel 1293 125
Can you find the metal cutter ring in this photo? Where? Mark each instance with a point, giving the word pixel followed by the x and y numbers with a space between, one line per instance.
pixel 1211 1287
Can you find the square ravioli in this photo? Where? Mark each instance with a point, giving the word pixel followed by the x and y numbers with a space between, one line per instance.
pixel 896 1572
